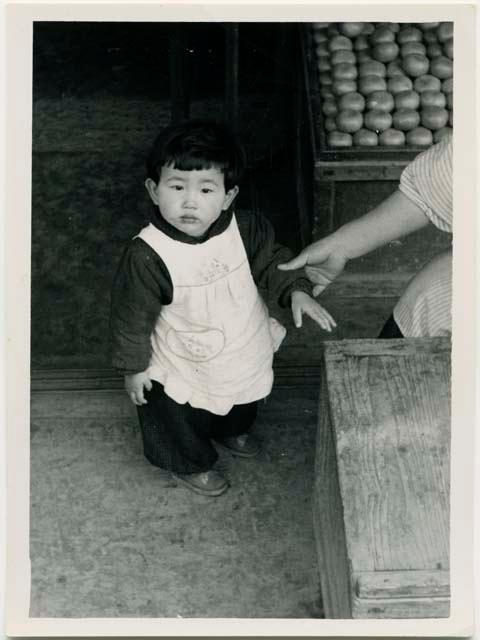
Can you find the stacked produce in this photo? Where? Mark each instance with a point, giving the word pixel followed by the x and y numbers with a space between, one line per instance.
pixel 385 83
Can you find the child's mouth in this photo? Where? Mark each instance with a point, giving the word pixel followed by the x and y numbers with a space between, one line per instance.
pixel 188 219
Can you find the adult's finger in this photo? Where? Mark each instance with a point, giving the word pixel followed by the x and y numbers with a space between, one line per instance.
pixel 297 316
pixel 148 384
pixel 295 263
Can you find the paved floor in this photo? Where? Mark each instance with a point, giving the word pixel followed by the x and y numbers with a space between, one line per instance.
pixel 113 536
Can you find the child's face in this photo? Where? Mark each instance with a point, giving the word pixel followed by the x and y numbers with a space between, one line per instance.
pixel 190 200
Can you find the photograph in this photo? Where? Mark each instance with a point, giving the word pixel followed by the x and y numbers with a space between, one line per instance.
pixel 239 321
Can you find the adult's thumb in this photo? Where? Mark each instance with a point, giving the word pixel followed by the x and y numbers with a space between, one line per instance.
pixel 296 263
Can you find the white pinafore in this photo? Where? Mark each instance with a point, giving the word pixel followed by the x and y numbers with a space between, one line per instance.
pixel 213 345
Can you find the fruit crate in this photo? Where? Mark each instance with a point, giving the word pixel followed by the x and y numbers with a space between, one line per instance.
pixel 326 89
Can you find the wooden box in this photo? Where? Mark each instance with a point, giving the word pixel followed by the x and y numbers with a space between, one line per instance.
pixel 382 476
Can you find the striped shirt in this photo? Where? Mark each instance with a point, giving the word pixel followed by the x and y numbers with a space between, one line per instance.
pixel 424 309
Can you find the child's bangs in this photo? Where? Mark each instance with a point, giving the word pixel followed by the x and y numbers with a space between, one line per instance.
pixel 190 162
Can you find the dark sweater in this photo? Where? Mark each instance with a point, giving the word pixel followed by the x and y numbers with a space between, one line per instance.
pixel 142 284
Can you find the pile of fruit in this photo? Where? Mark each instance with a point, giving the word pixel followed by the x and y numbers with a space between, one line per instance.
pixel 385 83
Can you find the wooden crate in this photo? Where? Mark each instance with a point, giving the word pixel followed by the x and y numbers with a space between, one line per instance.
pixel 381 505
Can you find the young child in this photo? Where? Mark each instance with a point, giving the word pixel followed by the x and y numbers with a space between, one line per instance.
pixel 189 328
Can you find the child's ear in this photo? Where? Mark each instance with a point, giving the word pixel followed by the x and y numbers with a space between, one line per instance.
pixel 230 197
pixel 151 187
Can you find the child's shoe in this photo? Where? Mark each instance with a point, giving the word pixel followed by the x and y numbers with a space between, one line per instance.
pixel 207 483
pixel 244 445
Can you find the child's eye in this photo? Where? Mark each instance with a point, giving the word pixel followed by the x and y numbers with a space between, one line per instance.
pixel 207 190
pixel 177 187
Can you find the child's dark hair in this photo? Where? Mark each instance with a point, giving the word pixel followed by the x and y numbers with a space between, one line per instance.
pixel 196 145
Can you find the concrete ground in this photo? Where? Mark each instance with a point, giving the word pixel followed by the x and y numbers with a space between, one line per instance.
pixel 113 536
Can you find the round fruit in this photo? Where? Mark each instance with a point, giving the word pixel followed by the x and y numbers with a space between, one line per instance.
pixel 350 29
pixel 406 119
pixel 409 34
pixel 381 100
pixel 338 43
pixel 385 51
pixel 448 48
pixel 430 37
pixel 372 68
pixel 419 137
pixel 365 138
pixel 415 65
pixel 442 133
pixel 343 56
pixel 427 26
pixel 329 108
pixel 339 87
pixel 325 78
pixel 360 43
pixel 326 92
pixel 441 67
pixel 413 47
pixel 393 26
pixel 434 117
pixel 320 25
pixel 447 85
pixel 368 84
pixel 330 124
pixel 382 34
pixel 450 118
pixel 368 28
pixel 394 69
pixel 407 100
pixel 432 99
pixel 445 31
pixel 426 83
pixel 391 138
pixel 398 84
pixel 323 63
pixel 377 120
pixel 320 37
pixel 332 29
pixel 344 71
pixel 349 120
pixel 339 139
pixel 434 50
pixel 322 50
pixel 364 56
pixel 449 97
pixel 353 101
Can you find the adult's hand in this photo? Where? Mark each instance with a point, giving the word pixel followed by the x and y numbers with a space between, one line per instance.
pixel 323 260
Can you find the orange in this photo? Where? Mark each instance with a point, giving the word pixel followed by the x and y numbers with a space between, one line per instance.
pixel 409 34
pixel 415 65
pixel 329 108
pixel 364 56
pixel 320 25
pixel 429 37
pixel 349 120
pixel 405 119
pixel 419 137
pixel 330 124
pixel 450 118
pixel 433 117
pixel 377 120
pixel 325 78
pixel 426 83
pixel 343 56
pixel 326 92
pixel 339 87
pixel 322 49
pixel 339 139
pixel 368 28
pixel 385 51
pixel 382 34
pixel 320 36
pixel 381 100
pixel 447 85
pixel 441 133
pixel 368 84
pixel 340 42
pixel 432 99
pixel 360 43
pixel 394 69
pixel 449 100
pixel 428 26
pixel 391 138
pixel 398 84
pixel 393 26
pixel 372 68
pixel 441 67
pixel 332 29
pixel 413 47
pixel 365 138
pixel 445 31
pixel 352 100
pixel 323 63
pixel 448 48
pixel 350 29
pixel 434 50
pixel 344 71
pixel 407 100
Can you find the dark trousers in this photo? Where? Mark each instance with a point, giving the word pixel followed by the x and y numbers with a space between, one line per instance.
pixel 390 330
pixel 178 437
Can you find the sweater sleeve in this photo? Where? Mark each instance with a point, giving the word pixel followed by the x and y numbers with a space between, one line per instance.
pixel 264 254
pixel 142 285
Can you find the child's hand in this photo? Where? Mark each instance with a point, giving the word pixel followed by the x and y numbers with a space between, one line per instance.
pixel 303 303
pixel 135 384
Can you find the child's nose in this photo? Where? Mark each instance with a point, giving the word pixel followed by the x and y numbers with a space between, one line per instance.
pixel 190 199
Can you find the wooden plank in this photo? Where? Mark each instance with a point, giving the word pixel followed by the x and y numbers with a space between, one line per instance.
pixel 401 608
pixel 402 584
pixel 390 402
pixel 354 170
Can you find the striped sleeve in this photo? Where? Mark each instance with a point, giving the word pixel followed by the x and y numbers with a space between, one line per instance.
pixel 428 182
